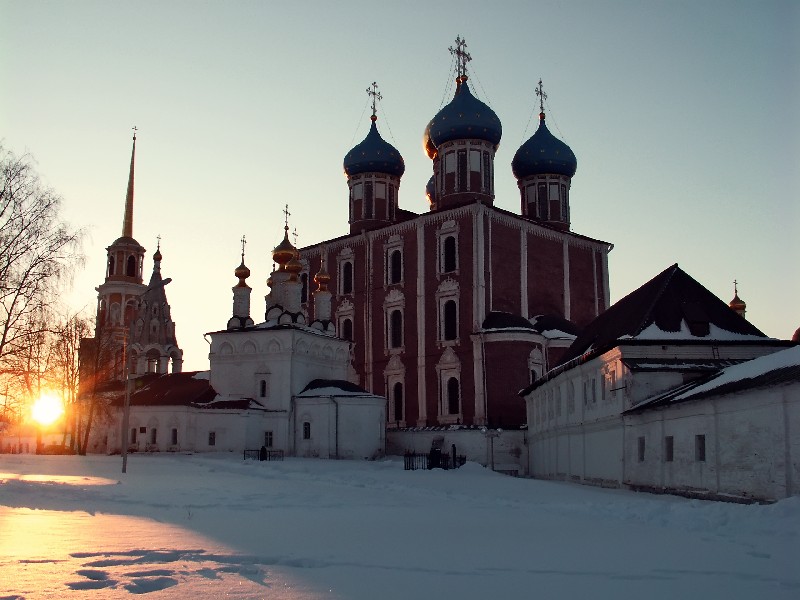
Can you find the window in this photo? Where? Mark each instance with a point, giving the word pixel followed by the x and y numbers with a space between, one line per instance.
pixel 110 266
pixel 212 438
pixel 541 197
pixel 391 202
pixel 347 330
pixel 396 329
pixel 669 447
pixel 133 435
pixel 130 269
pixel 462 170
pixel 397 397
pixel 640 442
pixel 395 266
pixel 453 397
pixel 564 212
pixel 306 430
pixel 173 439
pixel 262 388
pixel 268 439
pixel 153 435
pixel 700 448
pixel 449 262
pixel 450 325
pixel 487 178
pixel 369 202
pixel 304 288
pixel 347 277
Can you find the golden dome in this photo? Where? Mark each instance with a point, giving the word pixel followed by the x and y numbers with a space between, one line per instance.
pixel 284 252
pixel 322 279
pixel 294 266
pixel 737 303
pixel 242 272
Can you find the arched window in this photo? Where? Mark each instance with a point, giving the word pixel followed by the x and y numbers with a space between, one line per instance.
pixel 541 195
pixel 396 267
pixel 453 400
pixel 397 397
pixel 306 430
pixel 449 254
pixel 130 269
pixel 396 329
pixel 347 278
pixel 347 330
pixel 450 320
pixel 304 288
pixel 110 266
pixel 369 202
pixel 262 389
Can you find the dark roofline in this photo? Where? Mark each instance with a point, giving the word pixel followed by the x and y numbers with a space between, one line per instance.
pixel 584 358
pixel 410 216
pixel 775 377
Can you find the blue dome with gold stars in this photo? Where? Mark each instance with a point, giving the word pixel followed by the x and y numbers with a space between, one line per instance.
pixel 465 117
pixel 374 154
pixel 542 154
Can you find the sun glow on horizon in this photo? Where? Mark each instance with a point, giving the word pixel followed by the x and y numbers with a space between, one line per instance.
pixel 47 409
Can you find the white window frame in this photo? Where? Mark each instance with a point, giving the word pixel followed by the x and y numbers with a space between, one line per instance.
pixel 395 300
pixel 447 229
pixel 448 290
pixel 449 366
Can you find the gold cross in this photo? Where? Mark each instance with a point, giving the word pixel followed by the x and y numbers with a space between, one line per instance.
pixel 462 56
pixel 542 96
pixel 372 90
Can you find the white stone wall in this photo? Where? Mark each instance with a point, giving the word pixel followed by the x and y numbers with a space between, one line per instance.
pixel 349 427
pixel 751 445
pixel 577 430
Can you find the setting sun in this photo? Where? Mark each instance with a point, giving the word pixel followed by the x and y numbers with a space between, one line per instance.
pixel 47 409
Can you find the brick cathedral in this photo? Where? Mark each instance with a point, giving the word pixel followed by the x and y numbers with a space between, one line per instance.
pixel 451 312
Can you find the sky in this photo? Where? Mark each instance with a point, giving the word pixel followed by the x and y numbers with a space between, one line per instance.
pixel 213 525
pixel 683 117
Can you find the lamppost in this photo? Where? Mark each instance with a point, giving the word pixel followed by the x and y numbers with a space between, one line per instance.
pixel 126 408
pixel 490 435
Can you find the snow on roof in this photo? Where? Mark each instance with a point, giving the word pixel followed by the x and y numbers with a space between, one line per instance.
pixel 716 333
pixel 201 375
pixel 332 387
pixel 748 370
pixel 773 369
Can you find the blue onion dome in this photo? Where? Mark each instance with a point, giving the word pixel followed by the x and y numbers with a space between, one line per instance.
pixel 544 153
pixel 465 117
pixel 430 190
pixel 374 154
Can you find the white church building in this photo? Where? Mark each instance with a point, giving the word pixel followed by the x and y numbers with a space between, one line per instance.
pixel 671 391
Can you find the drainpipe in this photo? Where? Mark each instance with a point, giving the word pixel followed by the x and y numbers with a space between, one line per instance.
pixel 292 426
pixel 336 435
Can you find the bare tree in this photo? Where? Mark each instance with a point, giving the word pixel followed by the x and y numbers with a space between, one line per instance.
pixel 37 254
pixel 66 346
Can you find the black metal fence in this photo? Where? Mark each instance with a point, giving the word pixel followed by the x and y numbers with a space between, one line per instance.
pixel 433 460
pixel 263 454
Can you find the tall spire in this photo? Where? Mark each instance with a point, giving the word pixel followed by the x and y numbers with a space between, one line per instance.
pixel 127 222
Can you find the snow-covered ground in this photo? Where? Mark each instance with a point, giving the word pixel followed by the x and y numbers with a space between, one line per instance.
pixel 208 526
